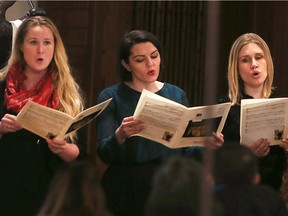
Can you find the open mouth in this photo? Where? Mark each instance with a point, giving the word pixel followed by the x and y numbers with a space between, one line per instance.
pixel 151 72
pixel 255 73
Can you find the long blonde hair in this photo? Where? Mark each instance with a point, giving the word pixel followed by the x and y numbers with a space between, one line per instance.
pixel 236 86
pixel 68 91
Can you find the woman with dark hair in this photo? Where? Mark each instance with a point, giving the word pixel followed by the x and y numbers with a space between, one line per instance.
pixel 133 159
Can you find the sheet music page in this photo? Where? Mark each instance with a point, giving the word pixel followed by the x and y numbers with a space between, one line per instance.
pixel 202 122
pixel 161 121
pixel 86 116
pixel 168 122
pixel 44 121
pixel 50 123
pixel 263 118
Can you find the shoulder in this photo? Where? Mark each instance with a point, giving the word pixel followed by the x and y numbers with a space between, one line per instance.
pixel 274 95
pixel 261 192
pixel 270 196
pixel 119 92
pixel 171 86
pixel 224 99
pixel 261 198
pixel 167 87
pixel 109 91
pixel 174 93
pixel 264 193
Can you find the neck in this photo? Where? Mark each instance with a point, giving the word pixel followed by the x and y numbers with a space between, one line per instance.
pixel 256 93
pixel 33 79
pixel 153 87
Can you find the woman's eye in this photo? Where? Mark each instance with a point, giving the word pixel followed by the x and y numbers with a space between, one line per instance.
pixel 154 56
pixel 139 60
pixel 259 57
pixel 244 60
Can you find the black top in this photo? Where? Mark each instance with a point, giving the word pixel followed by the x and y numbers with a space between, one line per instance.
pixel 26 167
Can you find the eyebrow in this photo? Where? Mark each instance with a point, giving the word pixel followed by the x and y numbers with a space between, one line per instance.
pixel 35 38
pixel 259 53
pixel 144 55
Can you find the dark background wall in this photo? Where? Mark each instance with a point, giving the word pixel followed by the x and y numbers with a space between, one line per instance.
pixel 196 37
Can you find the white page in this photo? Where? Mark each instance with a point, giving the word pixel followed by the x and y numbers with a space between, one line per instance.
pixel 263 118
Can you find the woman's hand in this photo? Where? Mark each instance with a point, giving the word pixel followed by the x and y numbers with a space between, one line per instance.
pixel 57 146
pixel 284 145
pixel 66 151
pixel 216 142
pixel 128 127
pixel 260 147
pixel 9 124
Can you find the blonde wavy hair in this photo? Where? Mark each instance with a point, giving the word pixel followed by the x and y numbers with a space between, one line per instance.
pixel 68 91
pixel 236 85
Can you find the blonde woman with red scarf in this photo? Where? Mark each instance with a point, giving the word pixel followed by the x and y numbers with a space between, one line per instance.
pixel 37 70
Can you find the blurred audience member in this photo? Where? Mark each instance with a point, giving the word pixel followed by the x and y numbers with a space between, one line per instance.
pixel 75 191
pixel 237 185
pixel 176 189
pixel 284 187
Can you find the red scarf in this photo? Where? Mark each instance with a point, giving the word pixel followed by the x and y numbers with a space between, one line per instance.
pixel 16 94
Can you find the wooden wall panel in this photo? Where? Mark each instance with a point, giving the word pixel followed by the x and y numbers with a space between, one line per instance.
pixel 180 27
pixel 279 45
pixel 266 18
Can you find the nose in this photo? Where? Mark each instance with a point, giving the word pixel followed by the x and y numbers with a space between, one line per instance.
pixel 149 61
pixel 254 63
pixel 40 48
